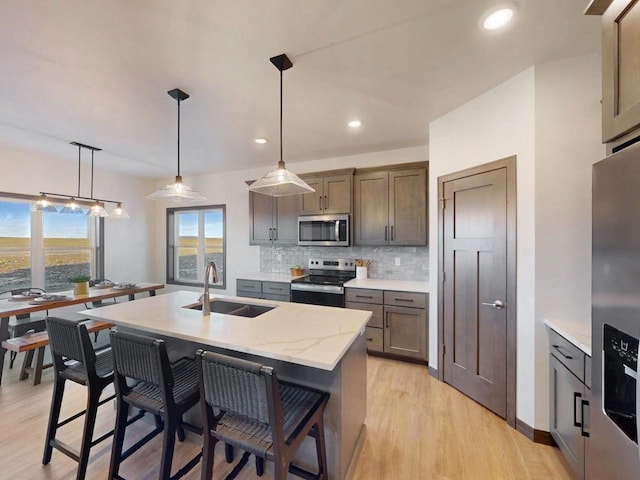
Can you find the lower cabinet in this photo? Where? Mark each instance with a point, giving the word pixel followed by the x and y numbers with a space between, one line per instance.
pixel 399 322
pixel 280 291
pixel 569 402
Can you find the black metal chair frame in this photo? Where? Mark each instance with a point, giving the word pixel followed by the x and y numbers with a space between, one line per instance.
pixel 282 449
pixel 168 416
pixel 75 359
pixel 23 324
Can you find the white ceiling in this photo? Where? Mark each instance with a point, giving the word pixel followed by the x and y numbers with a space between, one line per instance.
pixel 97 72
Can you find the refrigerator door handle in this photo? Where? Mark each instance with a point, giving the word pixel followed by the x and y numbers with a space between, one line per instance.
pixel 576 396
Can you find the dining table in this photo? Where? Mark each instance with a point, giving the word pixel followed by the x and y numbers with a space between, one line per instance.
pixel 26 304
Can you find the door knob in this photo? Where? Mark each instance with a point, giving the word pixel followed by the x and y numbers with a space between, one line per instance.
pixel 498 305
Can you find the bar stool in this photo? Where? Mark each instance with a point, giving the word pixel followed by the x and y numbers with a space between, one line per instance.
pixel 258 414
pixel 163 389
pixel 74 359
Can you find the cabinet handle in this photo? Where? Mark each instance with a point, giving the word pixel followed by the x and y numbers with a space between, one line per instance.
pixel 583 403
pixel 559 348
pixel 392 233
pixel 271 234
pixel 385 233
pixel 275 233
pixel 320 202
pixel 326 202
pixel 364 296
pixel 403 300
pixel 387 325
pixel 576 395
pixel 369 339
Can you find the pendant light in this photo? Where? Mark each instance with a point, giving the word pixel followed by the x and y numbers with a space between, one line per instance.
pixel 97 209
pixel 43 205
pixel 71 207
pixel 177 191
pixel 280 182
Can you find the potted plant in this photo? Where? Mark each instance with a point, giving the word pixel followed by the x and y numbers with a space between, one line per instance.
pixel 80 284
pixel 297 271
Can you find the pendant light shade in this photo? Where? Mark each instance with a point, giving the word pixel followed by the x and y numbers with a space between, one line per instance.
pixel 98 210
pixel 280 182
pixel 177 191
pixel 43 205
pixel 119 212
pixel 71 207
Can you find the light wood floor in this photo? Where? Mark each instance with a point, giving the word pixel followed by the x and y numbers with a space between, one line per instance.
pixel 417 428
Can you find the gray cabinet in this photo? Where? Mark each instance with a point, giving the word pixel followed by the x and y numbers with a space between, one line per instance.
pixel 273 220
pixel 280 291
pixel 569 401
pixel 332 194
pixel 390 207
pixel 399 323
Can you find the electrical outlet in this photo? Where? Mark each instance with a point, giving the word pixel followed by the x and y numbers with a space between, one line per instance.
pixel 398 263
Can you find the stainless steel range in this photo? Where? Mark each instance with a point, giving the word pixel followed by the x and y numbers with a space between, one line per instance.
pixel 324 285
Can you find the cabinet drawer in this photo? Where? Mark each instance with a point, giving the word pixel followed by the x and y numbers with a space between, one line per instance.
pixel 276 288
pixel 248 285
pixel 240 293
pixel 374 339
pixel 376 319
pixel 567 353
pixel 278 298
pixel 405 299
pixel 364 295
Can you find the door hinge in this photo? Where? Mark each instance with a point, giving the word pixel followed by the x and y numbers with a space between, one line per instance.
pixel 444 276
pixel 444 349
pixel 443 203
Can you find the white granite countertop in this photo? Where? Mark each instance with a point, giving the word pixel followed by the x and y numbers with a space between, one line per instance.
pixel 577 333
pixel 310 335
pixel 381 284
pixel 268 277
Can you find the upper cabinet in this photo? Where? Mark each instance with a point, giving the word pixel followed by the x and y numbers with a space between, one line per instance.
pixel 332 194
pixel 273 220
pixel 390 206
pixel 620 65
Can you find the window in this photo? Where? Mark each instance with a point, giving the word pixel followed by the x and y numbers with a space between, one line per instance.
pixel 45 249
pixel 195 237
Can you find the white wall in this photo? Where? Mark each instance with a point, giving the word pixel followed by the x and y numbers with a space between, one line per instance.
pixel 229 188
pixel 568 133
pixel 549 117
pixel 498 124
pixel 127 253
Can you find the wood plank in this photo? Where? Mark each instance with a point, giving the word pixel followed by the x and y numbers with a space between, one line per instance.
pixel 417 428
pixel 31 341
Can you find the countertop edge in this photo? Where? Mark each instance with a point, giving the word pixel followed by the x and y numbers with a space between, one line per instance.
pixel 569 331
pixel 393 285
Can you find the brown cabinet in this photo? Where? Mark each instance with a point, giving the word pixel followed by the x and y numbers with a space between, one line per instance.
pixel 280 291
pixel 399 322
pixel 332 194
pixel 390 207
pixel 620 65
pixel 569 399
pixel 273 220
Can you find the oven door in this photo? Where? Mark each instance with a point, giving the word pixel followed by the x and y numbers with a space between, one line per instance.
pixel 329 295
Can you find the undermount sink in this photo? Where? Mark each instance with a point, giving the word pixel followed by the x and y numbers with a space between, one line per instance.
pixel 234 308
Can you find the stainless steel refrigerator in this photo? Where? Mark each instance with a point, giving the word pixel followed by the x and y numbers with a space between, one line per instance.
pixel 613 445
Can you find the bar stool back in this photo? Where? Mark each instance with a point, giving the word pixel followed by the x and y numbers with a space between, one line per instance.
pixel 258 414
pixel 163 389
pixel 74 359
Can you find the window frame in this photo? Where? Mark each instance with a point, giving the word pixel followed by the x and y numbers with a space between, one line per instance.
pixel 171 245
pixel 36 241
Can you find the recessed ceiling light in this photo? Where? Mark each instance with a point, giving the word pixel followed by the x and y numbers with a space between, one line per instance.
pixel 497 18
pixel 260 140
pixel 355 123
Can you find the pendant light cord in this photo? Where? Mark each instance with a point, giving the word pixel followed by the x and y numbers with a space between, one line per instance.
pixel 178 137
pixel 91 174
pixel 281 116
pixel 79 149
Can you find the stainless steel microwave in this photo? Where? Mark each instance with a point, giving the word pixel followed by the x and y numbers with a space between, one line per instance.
pixel 324 230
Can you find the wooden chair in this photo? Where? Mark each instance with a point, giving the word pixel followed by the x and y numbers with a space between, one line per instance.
pixel 258 414
pixel 74 359
pixel 163 389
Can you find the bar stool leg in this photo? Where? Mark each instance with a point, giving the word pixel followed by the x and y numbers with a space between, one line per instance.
pixel 118 439
pixel 321 449
pixel 207 456
pixel 54 418
pixel 228 452
pixel 259 466
pixel 168 444
pixel 89 423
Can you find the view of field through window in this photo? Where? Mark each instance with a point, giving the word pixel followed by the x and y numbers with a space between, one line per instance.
pixel 65 245
pixel 189 242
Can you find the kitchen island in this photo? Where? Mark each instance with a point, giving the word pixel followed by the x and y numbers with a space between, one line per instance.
pixel 321 347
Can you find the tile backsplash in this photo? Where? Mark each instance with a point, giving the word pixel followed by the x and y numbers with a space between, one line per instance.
pixel 414 261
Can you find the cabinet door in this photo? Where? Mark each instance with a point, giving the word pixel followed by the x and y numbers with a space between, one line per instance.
pixel 376 310
pixel 312 203
pixel 285 220
pixel 371 208
pixel 408 207
pixel 261 219
pixel 620 69
pixel 337 193
pixel 566 393
pixel 405 332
